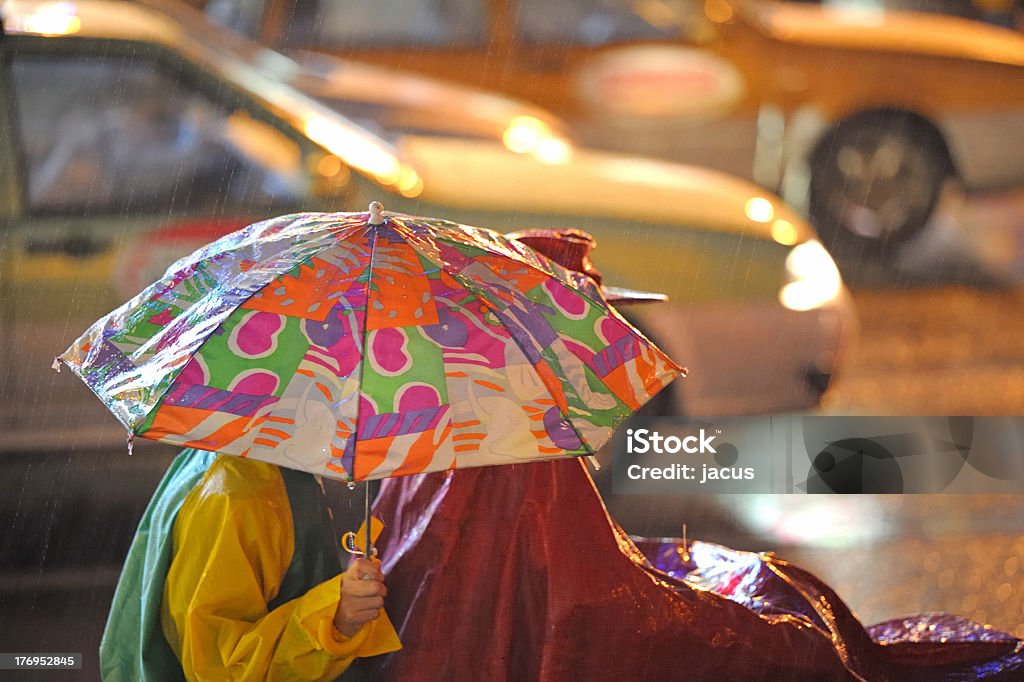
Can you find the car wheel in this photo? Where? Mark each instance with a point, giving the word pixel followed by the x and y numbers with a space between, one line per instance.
pixel 875 181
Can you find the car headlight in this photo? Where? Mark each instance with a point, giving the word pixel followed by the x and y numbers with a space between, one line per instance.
pixel 530 135
pixel 813 277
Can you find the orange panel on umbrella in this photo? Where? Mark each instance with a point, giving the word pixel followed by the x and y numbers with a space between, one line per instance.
pixel 304 292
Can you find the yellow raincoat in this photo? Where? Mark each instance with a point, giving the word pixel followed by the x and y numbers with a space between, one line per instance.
pixel 239 602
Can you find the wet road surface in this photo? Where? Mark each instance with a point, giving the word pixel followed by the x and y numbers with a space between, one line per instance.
pixel 941 333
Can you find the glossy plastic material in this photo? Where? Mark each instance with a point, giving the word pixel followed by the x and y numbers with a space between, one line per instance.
pixel 358 351
pixel 518 573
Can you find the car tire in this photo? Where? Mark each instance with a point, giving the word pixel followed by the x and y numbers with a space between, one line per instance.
pixel 875 181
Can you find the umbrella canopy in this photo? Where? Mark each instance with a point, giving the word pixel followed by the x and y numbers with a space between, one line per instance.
pixel 360 346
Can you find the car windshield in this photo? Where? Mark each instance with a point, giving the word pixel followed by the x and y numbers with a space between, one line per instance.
pixel 389 104
pixel 378 23
pixel 342 86
pixel 585 22
pixel 457 23
pixel 271 77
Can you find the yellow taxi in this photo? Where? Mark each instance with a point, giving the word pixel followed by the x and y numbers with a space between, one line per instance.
pixel 858 117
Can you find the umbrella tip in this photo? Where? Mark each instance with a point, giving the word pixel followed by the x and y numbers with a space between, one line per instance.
pixel 375 217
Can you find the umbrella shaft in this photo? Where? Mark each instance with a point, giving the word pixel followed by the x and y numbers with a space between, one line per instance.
pixel 366 523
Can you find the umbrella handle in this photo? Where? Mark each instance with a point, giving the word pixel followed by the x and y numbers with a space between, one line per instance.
pixel 366 522
pixel 350 541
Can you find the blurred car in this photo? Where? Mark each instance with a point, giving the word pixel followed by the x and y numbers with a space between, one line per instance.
pixel 386 100
pixel 857 117
pixel 1007 13
pixel 134 138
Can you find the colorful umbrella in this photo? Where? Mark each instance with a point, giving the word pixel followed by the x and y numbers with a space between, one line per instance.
pixel 362 345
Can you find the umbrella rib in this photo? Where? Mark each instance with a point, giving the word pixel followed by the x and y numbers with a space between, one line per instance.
pixel 364 346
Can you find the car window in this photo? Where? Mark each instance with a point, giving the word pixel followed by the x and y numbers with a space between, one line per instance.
pixel 243 16
pixel 590 22
pixel 108 134
pixel 387 23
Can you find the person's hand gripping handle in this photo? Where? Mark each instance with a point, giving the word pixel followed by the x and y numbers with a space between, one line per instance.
pixel 362 596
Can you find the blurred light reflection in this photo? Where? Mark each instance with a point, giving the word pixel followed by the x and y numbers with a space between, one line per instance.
pixel 358 151
pixel 815 278
pixel 784 232
pixel 553 151
pixel 409 183
pixel 760 210
pixel 814 521
pixel 53 19
pixel 530 135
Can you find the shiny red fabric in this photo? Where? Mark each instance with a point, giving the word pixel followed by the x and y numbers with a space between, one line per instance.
pixel 568 247
pixel 517 573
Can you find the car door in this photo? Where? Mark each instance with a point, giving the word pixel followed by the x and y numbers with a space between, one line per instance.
pixel 129 157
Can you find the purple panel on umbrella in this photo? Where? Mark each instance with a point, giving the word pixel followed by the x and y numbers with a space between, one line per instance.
pixel 451 331
pixel 532 316
pixel 621 351
pixel 215 399
pixel 529 328
pixel 348 458
pixel 386 231
pixel 395 424
pixel 334 328
pixel 560 430
pixel 522 338
pixel 107 360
